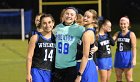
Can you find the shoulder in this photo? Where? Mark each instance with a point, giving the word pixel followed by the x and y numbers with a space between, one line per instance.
pixel 77 28
pixel 59 25
pixel 80 27
pixel 88 37
pixel 88 33
pixel 132 34
pixel 34 38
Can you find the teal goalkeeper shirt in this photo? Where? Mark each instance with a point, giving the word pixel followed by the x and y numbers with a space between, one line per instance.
pixel 67 38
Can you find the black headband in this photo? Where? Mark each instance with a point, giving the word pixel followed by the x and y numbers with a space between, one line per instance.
pixel 73 9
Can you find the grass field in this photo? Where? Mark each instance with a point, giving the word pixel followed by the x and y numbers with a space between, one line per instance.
pixel 12 61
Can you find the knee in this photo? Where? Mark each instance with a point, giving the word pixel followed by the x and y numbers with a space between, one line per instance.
pixel 129 78
pixel 119 76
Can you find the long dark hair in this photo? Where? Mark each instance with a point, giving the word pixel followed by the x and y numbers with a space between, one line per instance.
pixel 46 15
pixel 95 23
pixel 101 21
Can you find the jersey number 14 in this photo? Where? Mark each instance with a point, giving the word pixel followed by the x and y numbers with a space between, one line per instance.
pixel 48 55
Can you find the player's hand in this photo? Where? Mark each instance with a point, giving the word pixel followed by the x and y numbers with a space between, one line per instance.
pixel 93 49
pixel 133 62
pixel 78 79
pixel 28 78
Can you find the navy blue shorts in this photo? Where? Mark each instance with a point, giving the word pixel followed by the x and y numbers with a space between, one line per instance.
pixel 90 73
pixel 104 63
pixel 123 59
pixel 40 75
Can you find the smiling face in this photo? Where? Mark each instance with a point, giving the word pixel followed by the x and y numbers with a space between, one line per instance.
pixel 124 23
pixel 107 26
pixel 69 16
pixel 88 18
pixel 47 24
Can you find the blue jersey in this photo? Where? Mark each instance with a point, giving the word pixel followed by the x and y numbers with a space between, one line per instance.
pixel 123 56
pixel 67 38
pixel 104 60
pixel 123 42
pixel 44 53
pixel 104 49
pixel 80 47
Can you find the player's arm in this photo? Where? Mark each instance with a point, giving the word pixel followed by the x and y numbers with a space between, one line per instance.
pixel 133 43
pixel 115 36
pixel 30 52
pixel 112 42
pixel 86 49
pixel 94 48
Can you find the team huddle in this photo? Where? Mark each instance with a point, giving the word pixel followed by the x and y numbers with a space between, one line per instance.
pixel 79 48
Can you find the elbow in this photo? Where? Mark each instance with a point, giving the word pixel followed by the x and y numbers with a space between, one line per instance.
pixel 133 47
pixel 85 57
pixel 29 58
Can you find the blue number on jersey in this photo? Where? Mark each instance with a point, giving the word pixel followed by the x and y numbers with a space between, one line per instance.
pixel 63 48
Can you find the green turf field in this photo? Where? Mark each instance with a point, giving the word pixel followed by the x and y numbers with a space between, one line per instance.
pixel 12 61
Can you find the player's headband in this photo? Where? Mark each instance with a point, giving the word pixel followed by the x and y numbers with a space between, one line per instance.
pixel 73 9
pixel 125 19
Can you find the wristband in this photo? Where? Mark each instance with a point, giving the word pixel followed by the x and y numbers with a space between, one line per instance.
pixel 79 74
